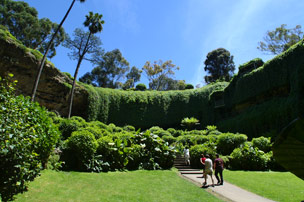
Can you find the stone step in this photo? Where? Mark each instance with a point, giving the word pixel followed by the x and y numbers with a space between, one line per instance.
pixel 180 164
pixel 182 167
pixel 189 169
pixel 192 172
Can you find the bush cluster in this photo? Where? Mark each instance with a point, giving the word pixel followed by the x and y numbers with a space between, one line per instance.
pixel 94 146
pixel 27 139
pixel 236 151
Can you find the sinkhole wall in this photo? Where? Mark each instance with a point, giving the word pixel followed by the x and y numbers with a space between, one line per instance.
pixel 259 100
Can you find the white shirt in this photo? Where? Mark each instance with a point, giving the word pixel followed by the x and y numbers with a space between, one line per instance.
pixel 208 164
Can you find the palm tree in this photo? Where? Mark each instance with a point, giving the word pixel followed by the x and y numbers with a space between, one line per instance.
pixel 94 22
pixel 40 67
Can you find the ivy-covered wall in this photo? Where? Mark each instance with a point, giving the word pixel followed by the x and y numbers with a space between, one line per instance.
pixel 144 109
pixel 267 98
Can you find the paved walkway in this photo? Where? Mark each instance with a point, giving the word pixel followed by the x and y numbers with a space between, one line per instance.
pixel 226 192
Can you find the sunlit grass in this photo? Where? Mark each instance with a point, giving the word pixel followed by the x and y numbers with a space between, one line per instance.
pixel 114 186
pixel 278 186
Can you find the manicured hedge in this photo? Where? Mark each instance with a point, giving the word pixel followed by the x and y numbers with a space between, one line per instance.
pixel 144 109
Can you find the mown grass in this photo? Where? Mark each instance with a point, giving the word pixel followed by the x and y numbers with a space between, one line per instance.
pixel 113 186
pixel 278 186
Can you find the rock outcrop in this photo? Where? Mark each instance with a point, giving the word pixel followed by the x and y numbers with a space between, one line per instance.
pixel 54 87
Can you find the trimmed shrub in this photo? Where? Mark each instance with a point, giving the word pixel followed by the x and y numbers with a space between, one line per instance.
pixel 184 140
pixel 169 138
pixel 79 149
pixel 263 143
pixel 129 128
pixel 199 139
pixel 249 158
pixel 97 132
pixel 189 86
pixel 196 153
pixel 27 139
pixel 67 127
pixel 98 124
pixel 251 65
pixel 175 133
pixel 227 142
pixel 141 87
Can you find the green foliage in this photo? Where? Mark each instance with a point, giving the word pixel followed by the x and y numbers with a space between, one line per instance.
pixel 184 140
pixel 196 153
pixel 219 65
pixel 79 149
pixel 263 143
pixel 280 39
pixel 22 21
pixel 169 138
pixel 67 126
pixel 227 142
pixel 27 139
pixel 159 73
pixel 189 86
pixel 251 65
pixel 189 123
pixel 149 108
pixel 111 68
pixel 266 99
pixel 141 87
pixel 249 158
pixel 129 128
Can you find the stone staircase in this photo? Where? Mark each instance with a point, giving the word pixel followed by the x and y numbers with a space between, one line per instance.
pixel 179 163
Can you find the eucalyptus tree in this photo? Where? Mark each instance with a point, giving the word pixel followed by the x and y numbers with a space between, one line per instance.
pixel 280 39
pixel 41 64
pixel 159 73
pixel 94 23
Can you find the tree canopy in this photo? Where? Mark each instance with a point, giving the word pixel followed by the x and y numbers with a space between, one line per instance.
pixel 22 21
pixel 219 65
pixel 280 39
pixel 110 70
pixel 159 74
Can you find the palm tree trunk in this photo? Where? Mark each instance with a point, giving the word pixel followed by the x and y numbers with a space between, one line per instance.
pixel 40 67
pixel 75 75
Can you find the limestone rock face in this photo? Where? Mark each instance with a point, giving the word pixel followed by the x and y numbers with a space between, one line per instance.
pixel 54 87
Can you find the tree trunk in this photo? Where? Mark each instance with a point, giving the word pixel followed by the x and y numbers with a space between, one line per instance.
pixel 41 64
pixel 75 76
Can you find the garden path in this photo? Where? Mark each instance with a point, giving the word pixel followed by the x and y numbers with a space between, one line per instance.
pixel 226 192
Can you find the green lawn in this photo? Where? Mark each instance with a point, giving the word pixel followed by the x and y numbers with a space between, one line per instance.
pixel 113 186
pixel 278 186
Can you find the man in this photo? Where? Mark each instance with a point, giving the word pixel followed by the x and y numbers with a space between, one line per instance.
pixel 202 160
pixel 187 155
pixel 208 170
pixel 219 167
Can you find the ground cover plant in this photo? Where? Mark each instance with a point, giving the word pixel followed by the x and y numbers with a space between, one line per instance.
pixel 278 186
pixel 130 186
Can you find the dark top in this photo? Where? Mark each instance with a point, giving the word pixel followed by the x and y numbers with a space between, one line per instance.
pixel 219 163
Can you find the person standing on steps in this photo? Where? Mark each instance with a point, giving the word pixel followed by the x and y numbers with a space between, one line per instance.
pixel 202 160
pixel 187 155
pixel 208 170
pixel 218 169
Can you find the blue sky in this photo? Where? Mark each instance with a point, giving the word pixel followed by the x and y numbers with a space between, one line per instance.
pixel 183 31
